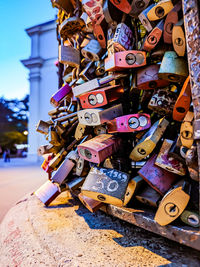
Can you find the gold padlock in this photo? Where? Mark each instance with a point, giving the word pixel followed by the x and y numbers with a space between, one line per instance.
pixel 133 186
pixel 160 10
pixel 172 204
pixel 186 130
pixel 148 142
pixel 178 38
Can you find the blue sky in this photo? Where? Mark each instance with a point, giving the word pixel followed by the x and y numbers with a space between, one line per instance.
pixel 15 17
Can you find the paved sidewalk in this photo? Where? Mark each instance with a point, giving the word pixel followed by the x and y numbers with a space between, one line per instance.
pixel 67 234
pixel 18 162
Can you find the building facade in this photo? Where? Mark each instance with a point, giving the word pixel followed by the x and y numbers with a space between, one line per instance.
pixel 43 80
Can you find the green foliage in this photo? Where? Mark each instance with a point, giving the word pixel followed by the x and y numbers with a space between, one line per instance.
pixel 13 121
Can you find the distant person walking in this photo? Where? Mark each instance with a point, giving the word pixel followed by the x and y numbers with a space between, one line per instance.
pixel 6 155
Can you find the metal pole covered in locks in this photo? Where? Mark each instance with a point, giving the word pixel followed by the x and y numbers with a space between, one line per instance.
pixel 124 134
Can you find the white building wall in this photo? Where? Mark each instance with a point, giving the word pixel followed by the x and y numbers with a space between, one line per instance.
pixel 43 79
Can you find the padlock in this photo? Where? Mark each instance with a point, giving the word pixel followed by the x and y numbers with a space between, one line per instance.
pixel 123 38
pixel 106 185
pixel 101 97
pixel 154 37
pixel 175 150
pixel 100 69
pixel 65 117
pixel 100 31
pixel 91 204
pixel 81 131
pixel 122 5
pixel 57 159
pixel 64 92
pixel 63 171
pixel 192 162
pixel 149 25
pixel 125 60
pixel 95 83
pixel 186 130
pixel 94 117
pixel 133 186
pixel 173 68
pixel 69 55
pixel 117 162
pixel 163 101
pixel 88 23
pixel 112 15
pixel 147 78
pixel 66 6
pixel 82 167
pixel 100 129
pixel 72 106
pixel 160 10
pixel 42 127
pixel 99 148
pixel 190 218
pixel 45 164
pixel 53 137
pixel 46 149
pixel 47 192
pixel 167 162
pixel 93 9
pixel 158 178
pixel 182 104
pixel 137 6
pixel 173 204
pixel 92 50
pixel 129 123
pixel 71 26
pixel 170 21
pixel 148 142
pixel 178 38
pixel 75 183
pixel 88 73
pixel 148 196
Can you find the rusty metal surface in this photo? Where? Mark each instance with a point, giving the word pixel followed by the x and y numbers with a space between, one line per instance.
pixel 192 32
pixel 184 234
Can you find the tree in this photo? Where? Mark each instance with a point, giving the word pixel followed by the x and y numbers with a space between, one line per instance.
pixel 13 121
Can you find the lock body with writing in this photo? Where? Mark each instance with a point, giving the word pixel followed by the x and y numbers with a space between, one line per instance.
pixel 106 185
pixel 167 162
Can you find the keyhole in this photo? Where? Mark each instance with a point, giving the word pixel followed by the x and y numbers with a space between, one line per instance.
pixel 179 41
pixel 101 198
pixel 171 209
pixel 159 11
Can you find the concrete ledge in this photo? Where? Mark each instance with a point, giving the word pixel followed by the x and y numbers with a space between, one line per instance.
pixel 66 234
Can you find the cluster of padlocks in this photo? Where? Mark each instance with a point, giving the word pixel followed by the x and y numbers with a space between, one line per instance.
pixel 121 131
